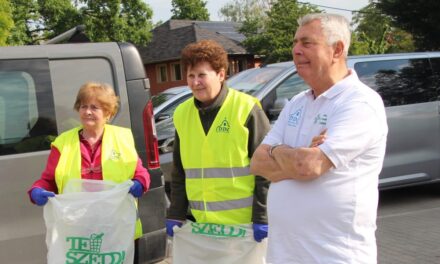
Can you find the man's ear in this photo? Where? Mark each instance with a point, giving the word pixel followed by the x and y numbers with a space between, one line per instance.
pixel 338 50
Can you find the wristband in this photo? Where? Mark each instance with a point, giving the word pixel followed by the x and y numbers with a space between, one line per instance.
pixel 272 148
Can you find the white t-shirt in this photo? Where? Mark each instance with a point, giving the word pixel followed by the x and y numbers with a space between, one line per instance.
pixel 331 219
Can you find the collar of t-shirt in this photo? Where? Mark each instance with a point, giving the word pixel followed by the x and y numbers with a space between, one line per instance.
pixel 338 87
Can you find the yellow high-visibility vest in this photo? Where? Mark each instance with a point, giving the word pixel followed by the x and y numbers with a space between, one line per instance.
pixel 118 158
pixel 219 185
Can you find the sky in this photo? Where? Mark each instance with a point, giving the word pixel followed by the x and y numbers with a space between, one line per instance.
pixel 162 8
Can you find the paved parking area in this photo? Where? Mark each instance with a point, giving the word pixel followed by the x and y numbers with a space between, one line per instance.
pixel 408 226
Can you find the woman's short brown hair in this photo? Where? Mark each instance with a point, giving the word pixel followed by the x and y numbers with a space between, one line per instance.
pixel 101 92
pixel 205 51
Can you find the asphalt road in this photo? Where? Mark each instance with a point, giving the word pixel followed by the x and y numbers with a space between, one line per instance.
pixel 408 226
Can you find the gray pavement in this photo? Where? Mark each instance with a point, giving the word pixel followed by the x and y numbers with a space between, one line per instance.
pixel 408 226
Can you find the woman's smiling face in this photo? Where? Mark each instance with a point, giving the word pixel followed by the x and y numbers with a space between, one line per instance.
pixel 205 82
pixel 92 115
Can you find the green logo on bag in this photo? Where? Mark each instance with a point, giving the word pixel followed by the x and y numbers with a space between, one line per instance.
pixel 87 250
pixel 218 230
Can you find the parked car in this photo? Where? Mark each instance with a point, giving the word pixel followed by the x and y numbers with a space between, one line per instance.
pixel 38 87
pixel 409 84
pixel 166 102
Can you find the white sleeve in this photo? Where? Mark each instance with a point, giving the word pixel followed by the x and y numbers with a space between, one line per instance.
pixel 352 129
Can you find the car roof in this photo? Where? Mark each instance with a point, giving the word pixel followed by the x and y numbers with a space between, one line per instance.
pixel 176 90
pixel 177 93
pixel 285 64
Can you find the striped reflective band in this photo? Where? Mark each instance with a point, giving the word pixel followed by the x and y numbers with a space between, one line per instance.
pixel 223 205
pixel 217 172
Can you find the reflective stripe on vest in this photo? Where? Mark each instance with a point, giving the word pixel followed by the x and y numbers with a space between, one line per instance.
pixel 217 172
pixel 219 185
pixel 118 158
pixel 220 206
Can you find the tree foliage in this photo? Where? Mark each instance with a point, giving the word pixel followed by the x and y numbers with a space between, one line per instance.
pixel 375 34
pixel 190 10
pixel 241 10
pixel 273 40
pixel 418 17
pixel 105 20
pixel 6 22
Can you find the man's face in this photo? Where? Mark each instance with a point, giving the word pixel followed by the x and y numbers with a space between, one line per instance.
pixel 204 82
pixel 311 54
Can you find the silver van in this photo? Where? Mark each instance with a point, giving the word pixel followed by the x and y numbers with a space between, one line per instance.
pixel 38 86
pixel 409 84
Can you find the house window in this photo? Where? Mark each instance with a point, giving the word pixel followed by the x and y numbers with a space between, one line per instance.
pixel 237 65
pixel 242 64
pixel 162 75
pixel 176 72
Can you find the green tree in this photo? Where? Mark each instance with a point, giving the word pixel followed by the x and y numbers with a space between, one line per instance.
pixel 190 9
pixel 241 10
pixel 6 22
pixel 418 17
pixel 23 12
pixel 375 34
pixel 105 20
pixel 273 40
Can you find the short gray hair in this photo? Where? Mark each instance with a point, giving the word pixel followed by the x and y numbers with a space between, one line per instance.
pixel 335 27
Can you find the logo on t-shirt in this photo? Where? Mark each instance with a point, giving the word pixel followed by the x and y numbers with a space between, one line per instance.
pixel 295 117
pixel 223 127
pixel 321 119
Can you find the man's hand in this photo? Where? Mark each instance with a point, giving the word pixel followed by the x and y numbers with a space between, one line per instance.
pixel 319 139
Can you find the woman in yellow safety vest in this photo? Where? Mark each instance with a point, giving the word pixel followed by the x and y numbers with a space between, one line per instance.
pixel 217 131
pixel 95 150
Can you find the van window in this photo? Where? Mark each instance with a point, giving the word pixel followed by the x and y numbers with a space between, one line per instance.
pixel 27 118
pixel 399 82
pixel 435 64
pixel 68 75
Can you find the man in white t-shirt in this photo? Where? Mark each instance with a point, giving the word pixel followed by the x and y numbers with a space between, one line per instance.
pixel 322 202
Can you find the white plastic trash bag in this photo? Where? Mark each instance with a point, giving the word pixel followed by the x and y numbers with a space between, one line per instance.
pixel 197 243
pixel 91 222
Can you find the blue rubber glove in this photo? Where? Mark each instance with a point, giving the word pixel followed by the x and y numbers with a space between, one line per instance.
pixel 136 189
pixel 170 224
pixel 260 231
pixel 40 196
